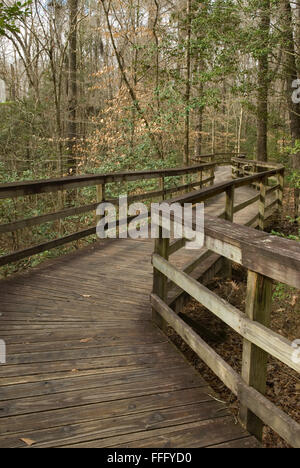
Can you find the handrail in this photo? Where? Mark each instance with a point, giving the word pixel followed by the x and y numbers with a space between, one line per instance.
pixel 33 187
pixel 258 163
pixel 214 156
pixel 256 250
pixel 26 188
pixel 209 192
pixel 240 169
pixel 53 185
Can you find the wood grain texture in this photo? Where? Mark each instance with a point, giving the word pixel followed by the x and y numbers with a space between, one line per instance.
pixel 87 366
pixel 255 360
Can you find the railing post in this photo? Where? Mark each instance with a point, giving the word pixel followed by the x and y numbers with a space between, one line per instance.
pixel 61 204
pixel 187 182
pixel 229 216
pixel 262 203
pixel 162 187
pixel 160 282
pixel 201 179
pixel 280 179
pixel 233 170
pixel 254 364
pixel 256 171
pixel 100 190
pixel 297 202
pixel 212 172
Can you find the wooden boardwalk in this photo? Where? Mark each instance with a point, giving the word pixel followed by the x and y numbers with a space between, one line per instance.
pixel 86 367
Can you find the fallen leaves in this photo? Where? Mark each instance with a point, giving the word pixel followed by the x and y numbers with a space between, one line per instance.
pixel 294 301
pixel 86 340
pixel 28 442
pixel 235 285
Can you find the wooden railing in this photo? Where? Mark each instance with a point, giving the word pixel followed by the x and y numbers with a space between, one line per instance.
pixel 266 258
pixel 204 174
pixel 265 181
pixel 217 158
pixel 266 202
pixel 242 167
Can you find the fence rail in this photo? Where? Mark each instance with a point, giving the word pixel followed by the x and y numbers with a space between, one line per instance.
pixel 266 258
pixel 217 158
pixel 204 175
pixel 28 188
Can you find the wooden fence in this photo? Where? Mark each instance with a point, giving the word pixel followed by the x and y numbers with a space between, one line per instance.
pixel 203 172
pixel 267 258
pixel 217 158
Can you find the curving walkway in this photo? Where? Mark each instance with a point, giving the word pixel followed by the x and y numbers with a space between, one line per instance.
pixel 88 368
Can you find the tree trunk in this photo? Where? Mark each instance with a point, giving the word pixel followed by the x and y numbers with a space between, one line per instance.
pixel 263 83
pixel 239 135
pixel 199 110
pixel 188 87
pixel 72 88
pixel 291 73
pixel 131 90
pixel 153 23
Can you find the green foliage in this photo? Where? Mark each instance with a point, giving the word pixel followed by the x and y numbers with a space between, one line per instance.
pixel 290 236
pixel 293 176
pixel 294 179
pixel 10 14
pixel 283 292
pixel 23 134
pixel 293 149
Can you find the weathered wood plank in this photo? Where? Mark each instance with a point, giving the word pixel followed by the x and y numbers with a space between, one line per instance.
pixel 17 189
pixel 177 380
pixel 46 309
pixel 112 427
pixel 257 403
pixel 229 214
pixel 262 203
pixel 197 435
pixel 258 334
pixel 271 256
pixel 102 410
pixel 255 360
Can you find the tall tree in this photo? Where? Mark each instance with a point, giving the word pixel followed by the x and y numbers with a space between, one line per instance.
pixel 132 92
pixel 291 76
pixel 188 83
pixel 73 87
pixel 263 80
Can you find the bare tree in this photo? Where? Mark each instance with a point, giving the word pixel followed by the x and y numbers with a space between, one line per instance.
pixel 72 88
pixel 263 81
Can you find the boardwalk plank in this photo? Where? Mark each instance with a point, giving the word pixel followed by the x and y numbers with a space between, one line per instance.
pixel 87 367
pixel 104 428
pixel 193 435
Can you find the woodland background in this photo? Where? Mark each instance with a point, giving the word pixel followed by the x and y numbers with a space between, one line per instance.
pixel 97 86
pixel 108 85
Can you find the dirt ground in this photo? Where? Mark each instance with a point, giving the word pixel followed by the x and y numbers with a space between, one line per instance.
pixel 283 384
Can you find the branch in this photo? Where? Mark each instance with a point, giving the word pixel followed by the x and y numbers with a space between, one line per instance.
pixel 131 91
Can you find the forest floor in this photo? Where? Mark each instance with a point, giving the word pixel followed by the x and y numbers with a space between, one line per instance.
pixel 283 384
